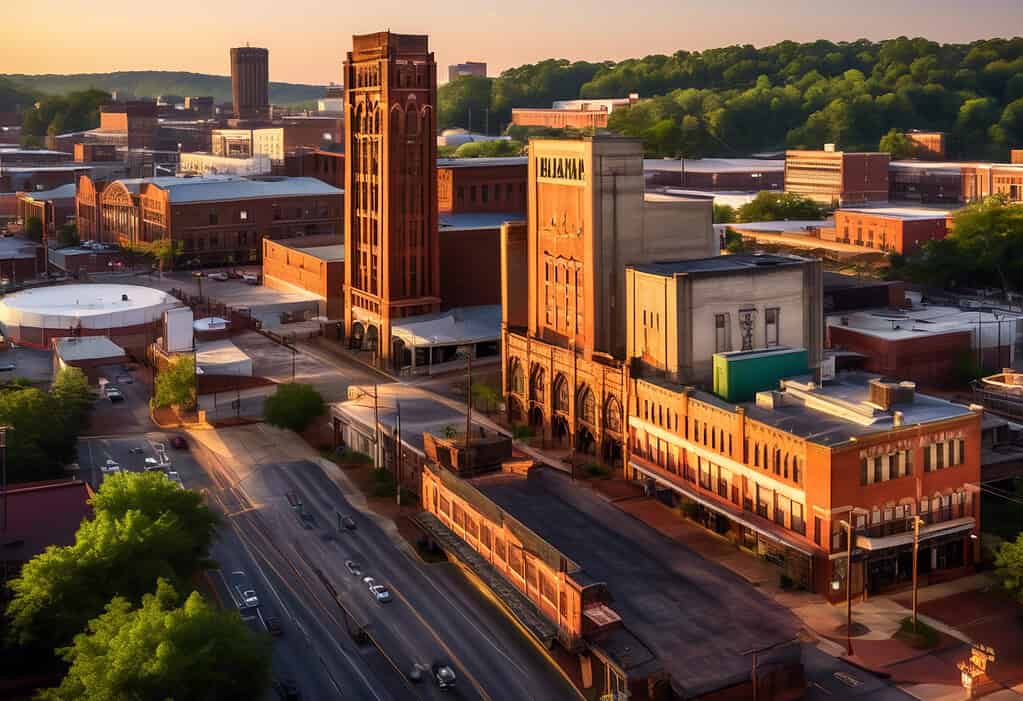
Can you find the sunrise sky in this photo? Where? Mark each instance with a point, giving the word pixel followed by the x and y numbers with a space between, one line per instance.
pixel 307 39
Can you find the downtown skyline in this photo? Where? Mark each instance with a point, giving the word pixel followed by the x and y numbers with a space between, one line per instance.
pixel 307 51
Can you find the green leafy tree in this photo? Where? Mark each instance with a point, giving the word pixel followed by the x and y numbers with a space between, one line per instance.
pixel 488 149
pixel 38 446
pixel 485 394
pixel 175 384
pixel 293 406
pixel 74 400
pixel 1009 567
pixel 34 229
pixel 68 235
pixel 163 251
pixel 56 114
pixel 724 214
pixel 165 649
pixel 779 206
pixel 144 527
pixel 898 145
pixel 463 103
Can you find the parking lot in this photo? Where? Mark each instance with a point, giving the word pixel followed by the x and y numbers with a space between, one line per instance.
pixel 131 413
pixel 34 365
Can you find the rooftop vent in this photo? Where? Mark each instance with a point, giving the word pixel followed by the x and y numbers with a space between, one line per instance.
pixel 124 298
pixel 886 394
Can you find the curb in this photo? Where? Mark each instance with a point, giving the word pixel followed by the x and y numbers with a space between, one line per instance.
pixel 864 668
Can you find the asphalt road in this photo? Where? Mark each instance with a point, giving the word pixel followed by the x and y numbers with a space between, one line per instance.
pixel 830 679
pixel 436 614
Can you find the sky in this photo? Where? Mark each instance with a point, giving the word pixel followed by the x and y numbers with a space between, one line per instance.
pixel 308 38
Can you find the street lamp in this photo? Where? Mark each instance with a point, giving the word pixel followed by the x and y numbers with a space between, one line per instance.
pixel 917 521
pixel 848 585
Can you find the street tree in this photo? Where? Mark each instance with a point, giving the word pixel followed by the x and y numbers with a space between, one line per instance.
pixel 121 551
pixel 1009 567
pixel 165 649
pixel 67 235
pixel 175 384
pixel 779 206
pixel 74 399
pixel 35 451
pixel 293 406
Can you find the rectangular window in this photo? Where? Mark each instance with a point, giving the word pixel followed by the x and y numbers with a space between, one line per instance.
pixel 243 215
pixel 485 192
pixel 213 218
pixel 771 326
pixel 722 333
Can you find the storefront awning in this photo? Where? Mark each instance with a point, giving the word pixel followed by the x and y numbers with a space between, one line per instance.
pixel 933 530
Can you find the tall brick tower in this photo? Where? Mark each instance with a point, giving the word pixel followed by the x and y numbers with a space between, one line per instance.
pixel 250 82
pixel 391 245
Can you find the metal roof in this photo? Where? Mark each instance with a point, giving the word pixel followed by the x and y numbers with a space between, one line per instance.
pixel 218 188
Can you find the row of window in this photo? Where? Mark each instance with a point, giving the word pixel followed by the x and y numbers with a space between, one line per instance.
pixel 499 192
pixel 882 468
pixel 938 456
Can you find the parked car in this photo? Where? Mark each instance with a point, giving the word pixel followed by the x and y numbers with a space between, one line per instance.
pixel 110 466
pixel 348 523
pixel 114 394
pixel 274 627
pixel 178 443
pixel 353 568
pixel 152 464
pixel 220 275
pixel 444 675
pixel 380 593
pixel 251 278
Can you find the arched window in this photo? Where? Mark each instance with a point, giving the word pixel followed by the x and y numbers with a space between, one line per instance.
pixel 613 415
pixel 517 377
pixel 537 384
pixel 587 406
pixel 560 394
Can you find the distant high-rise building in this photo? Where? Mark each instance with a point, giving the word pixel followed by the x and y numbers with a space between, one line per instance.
pixel 392 248
pixel 250 82
pixel 474 68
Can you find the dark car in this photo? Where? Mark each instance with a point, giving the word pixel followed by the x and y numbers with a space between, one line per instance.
pixel 444 675
pixel 274 627
pixel 287 690
pixel 178 443
pixel 348 523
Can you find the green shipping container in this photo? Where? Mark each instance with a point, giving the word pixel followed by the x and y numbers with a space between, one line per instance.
pixel 739 375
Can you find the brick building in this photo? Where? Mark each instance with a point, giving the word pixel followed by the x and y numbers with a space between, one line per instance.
pixel 392 249
pixel 559 119
pixel 313 264
pixel 900 230
pixel 745 174
pixel 53 208
pixel 328 166
pixel 925 182
pixel 250 82
pixel 217 219
pixel 931 145
pixel 482 185
pixel 779 475
pixel 135 122
pixel 477 69
pixel 564 290
pixel 835 178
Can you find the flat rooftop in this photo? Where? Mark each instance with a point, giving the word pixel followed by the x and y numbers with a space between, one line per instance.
pixel 715 165
pixel 460 325
pixel 492 162
pixel 924 321
pixel 719 264
pixel 15 247
pixel 787 226
pixel 478 220
pixel 838 410
pixel 904 213
pixel 335 252
pixel 72 348
pixel 219 188
pixel 680 612
pixel 839 281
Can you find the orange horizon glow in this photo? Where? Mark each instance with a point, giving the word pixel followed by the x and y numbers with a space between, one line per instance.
pixel 308 40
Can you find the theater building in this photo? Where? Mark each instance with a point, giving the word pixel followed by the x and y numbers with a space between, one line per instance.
pixel 563 277
pixel 216 219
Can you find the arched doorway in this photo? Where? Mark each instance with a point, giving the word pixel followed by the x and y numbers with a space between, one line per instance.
pixel 536 418
pixel 559 394
pixel 516 377
pixel 401 355
pixel 559 430
pixel 585 442
pixel 516 414
pixel 356 336
pixel 536 384
pixel 369 343
pixel 611 451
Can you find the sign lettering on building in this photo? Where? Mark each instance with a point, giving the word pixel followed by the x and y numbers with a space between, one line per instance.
pixel 561 168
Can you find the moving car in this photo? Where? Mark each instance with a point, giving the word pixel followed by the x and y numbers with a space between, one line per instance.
pixel 380 593
pixel 110 466
pixel 152 464
pixel 114 394
pixel 444 675
pixel 353 568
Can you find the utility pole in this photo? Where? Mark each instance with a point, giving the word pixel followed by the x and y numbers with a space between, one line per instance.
pixel 468 409
pixel 848 586
pixel 916 551
pixel 397 456
pixel 3 474
pixel 376 423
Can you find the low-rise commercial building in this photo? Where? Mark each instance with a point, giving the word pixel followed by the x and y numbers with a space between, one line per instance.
pixel 217 218
pixel 53 208
pixel 930 145
pixel 895 229
pixel 313 264
pixel 21 260
pixel 559 119
pixel 482 185
pixel 198 163
pixel 715 174
pixel 835 178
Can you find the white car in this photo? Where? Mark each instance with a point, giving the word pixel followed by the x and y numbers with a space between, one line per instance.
pixel 221 276
pixel 110 466
pixel 380 593
pixel 250 278
pixel 114 394
pixel 250 598
pixel 152 464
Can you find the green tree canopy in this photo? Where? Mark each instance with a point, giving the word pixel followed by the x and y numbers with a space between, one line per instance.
pixel 1009 566
pixel 724 214
pixel 38 447
pixel 488 149
pixel 984 248
pixel 57 114
pixel 74 400
pixel 165 649
pixel 779 206
pixel 175 384
pixel 67 235
pixel 463 103
pixel 898 145
pixel 121 551
pixel 293 406
pixel 34 229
